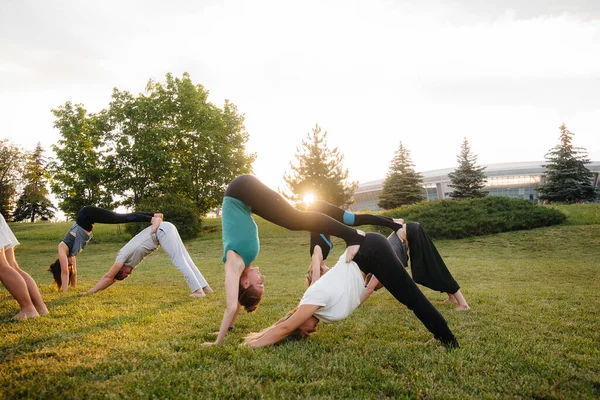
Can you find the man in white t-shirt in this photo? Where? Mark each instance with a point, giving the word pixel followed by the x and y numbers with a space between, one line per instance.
pixel 146 242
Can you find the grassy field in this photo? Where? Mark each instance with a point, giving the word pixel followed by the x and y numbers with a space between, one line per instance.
pixel 533 331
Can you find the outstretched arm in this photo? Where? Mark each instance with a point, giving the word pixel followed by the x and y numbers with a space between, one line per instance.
pixel 108 279
pixel 73 277
pixel 282 330
pixel 234 266
pixel 63 258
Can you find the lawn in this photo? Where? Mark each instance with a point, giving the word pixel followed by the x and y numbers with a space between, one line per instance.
pixel 533 331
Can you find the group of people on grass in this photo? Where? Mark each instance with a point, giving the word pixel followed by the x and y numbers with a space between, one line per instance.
pixel 369 262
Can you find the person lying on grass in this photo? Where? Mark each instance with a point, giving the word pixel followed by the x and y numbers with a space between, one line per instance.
pixel 144 244
pixel 335 293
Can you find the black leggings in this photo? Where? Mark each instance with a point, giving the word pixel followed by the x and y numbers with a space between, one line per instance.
pixel 89 215
pixel 355 219
pixel 376 256
pixel 269 205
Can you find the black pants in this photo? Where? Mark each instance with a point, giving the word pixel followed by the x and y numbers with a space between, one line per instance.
pixel 376 256
pixel 88 215
pixel 269 205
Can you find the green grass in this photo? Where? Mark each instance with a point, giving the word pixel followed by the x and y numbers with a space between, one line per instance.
pixel 533 331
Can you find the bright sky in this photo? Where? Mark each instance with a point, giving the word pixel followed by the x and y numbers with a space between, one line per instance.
pixel 505 74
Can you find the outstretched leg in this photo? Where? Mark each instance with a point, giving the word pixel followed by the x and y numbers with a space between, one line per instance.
pixel 172 245
pixel 271 206
pixel 89 215
pixel 32 288
pixel 17 287
pixel 377 256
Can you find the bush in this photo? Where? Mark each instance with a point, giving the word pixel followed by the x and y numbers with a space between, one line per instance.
pixel 179 211
pixel 455 219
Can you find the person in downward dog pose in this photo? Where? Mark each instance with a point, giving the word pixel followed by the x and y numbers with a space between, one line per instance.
pixel 335 293
pixel 18 282
pixel 427 266
pixel 145 243
pixel 244 284
pixel 80 234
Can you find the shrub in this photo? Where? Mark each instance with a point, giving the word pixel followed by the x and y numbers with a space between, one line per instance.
pixel 454 219
pixel 179 211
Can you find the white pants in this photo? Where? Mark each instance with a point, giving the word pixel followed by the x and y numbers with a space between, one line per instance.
pixel 170 241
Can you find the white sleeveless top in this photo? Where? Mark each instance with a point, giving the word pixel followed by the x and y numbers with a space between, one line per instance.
pixel 337 292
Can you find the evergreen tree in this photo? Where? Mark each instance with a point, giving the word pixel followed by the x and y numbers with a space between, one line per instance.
pixel 402 184
pixel 468 179
pixel 568 180
pixel 10 168
pixel 320 172
pixel 33 202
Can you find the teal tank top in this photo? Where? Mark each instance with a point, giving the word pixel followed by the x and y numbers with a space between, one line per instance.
pixel 240 233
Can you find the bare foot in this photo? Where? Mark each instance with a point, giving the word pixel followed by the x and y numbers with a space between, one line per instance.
pixel 198 293
pixel 43 311
pixel 451 299
pixel 462 308
pixel 26 314
pixel 208 290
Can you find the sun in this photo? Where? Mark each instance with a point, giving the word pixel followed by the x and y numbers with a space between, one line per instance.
pixel 309 198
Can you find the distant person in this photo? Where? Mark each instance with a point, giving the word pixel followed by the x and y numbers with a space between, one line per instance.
pixel 427 266
pixel 80 234
pixel 18 282
pixel 144 244
pixel 244 284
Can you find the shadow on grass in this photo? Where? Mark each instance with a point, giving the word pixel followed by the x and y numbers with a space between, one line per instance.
pixel 28 343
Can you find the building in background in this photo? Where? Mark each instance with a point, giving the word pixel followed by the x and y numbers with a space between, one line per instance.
pixel 517 180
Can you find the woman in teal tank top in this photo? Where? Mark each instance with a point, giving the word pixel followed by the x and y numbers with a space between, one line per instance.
pixel 244 284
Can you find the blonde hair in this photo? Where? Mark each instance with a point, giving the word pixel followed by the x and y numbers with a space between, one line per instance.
pixel 257 335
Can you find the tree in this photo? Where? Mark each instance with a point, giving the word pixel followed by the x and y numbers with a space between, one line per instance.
pixel 172 140
pixel 78 170
pixel 402 184
pixel 568 180
pixel 468 179
pixel 320 172
pixel 33 202
pixel 10 168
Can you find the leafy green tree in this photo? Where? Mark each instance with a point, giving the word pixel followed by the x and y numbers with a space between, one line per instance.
pixel 319 171
pixel 10 169
pixel 79 176
pixel 34 202
pixel 468 179
pixel 568 180
pixel 172 140
pixel 402 185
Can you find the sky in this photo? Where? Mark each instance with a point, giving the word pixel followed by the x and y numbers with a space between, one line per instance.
pixel 372 74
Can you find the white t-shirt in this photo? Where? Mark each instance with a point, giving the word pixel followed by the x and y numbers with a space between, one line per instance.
pixel 337 292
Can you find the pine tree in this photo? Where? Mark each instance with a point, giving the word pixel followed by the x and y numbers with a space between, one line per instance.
pixel 568 180
pixel 320 172
pixel 468 179
pixel 33 202
pixel 402 184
